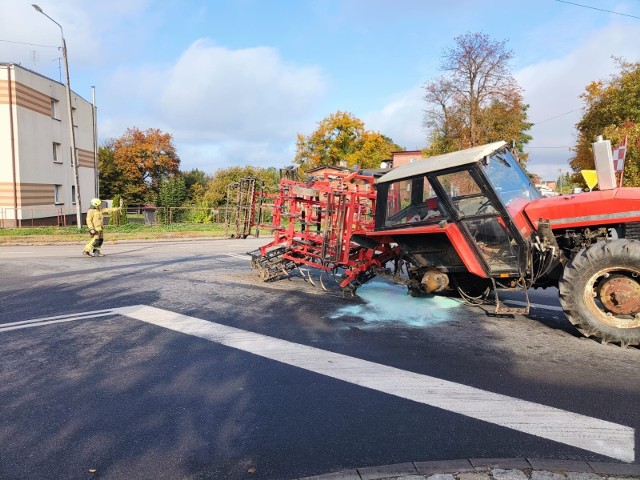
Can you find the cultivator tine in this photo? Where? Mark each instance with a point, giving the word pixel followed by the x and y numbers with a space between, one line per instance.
pixel 310 278
pixel 302 273
pixel 322 285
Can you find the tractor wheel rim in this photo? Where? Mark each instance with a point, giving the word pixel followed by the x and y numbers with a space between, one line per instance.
pixel 613 296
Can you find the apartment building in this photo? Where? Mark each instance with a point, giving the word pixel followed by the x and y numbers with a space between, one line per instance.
pixel 37 178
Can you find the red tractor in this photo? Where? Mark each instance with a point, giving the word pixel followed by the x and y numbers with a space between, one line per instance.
pixel 471 223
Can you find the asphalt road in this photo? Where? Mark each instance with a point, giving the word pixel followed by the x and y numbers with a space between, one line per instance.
pixel 94 383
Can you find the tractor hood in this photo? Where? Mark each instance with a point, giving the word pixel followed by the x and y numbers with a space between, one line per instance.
pixel 584 209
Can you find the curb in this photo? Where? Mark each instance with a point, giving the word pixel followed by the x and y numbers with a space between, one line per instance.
pixel 489 468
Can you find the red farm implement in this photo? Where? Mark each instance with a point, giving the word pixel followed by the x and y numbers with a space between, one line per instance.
pixel 315 224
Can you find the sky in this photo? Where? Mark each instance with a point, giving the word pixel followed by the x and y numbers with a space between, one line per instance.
pixel 235 81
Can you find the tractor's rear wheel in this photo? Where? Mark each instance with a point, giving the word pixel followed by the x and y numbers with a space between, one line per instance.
pixel 600 292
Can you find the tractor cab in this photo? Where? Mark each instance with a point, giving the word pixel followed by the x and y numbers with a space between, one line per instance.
pixel 460 211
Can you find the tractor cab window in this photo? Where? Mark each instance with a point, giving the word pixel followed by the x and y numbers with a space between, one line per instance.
pixel 482 220
pixel 465 193
pixel 508 179
pixel 412 201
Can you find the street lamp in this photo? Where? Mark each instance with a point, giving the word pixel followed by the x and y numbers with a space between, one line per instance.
pixel 72 134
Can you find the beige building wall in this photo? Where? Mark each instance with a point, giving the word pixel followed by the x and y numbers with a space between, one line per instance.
pixel 36 170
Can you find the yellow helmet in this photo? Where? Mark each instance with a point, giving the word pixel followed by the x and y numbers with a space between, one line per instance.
pixel 96 202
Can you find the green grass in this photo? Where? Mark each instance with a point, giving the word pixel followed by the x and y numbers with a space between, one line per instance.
pixel 130 231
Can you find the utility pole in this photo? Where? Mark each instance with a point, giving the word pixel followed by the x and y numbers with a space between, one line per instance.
pixel 560 178
pixel 72 133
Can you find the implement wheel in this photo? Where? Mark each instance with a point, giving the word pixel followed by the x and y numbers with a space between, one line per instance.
pixel 600 292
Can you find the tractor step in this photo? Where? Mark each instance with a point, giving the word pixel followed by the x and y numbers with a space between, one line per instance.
pixel 501 309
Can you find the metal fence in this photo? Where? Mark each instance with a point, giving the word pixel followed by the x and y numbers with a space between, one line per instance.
pixel 144 215
pixel 149 215
pixel 37 216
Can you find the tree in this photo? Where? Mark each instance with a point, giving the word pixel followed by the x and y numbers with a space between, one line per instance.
pixel 172 194
pixel 341 137
pixel 477 101
pixel 216 193
pixel 119 217
pixel 142 160
pixel 196 183
pixel 564 183
pixel 112 180
pixel 612 109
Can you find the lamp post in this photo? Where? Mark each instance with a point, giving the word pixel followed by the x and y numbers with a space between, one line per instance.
pixel 72 134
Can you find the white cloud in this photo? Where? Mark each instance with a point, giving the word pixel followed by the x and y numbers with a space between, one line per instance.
pixel 552 88
pixel 248 101
pixel 217 93
pixel 401 119
pixel 212 156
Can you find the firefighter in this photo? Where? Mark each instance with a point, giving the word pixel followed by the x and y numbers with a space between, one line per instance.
pixel 94 222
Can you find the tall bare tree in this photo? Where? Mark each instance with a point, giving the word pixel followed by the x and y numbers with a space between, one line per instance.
pixel 476 100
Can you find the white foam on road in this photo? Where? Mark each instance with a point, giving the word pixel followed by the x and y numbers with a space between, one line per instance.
pixel 592 434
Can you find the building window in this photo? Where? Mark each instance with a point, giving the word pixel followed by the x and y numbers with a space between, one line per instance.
pixel 73 116
pixel 73 194
pixel 57 194
pixel 55 109
pixel 56 153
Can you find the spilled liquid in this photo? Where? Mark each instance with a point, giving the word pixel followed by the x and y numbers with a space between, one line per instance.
pixel 387 303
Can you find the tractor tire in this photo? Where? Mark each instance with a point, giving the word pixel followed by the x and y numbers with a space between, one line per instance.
pixel 600 292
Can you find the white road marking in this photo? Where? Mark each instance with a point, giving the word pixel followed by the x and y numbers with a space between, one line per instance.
pixel 238 255
pixel 592 434
pixel 599 436
pixel 13 253
pixel 38 322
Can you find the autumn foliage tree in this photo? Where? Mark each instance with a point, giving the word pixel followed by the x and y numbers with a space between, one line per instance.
pixel 111 180
pixel 135 164
pixel 612 109
pixel 341 137
pixel 476 100
pixel 217 186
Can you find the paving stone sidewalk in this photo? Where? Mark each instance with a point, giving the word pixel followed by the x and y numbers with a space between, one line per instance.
pixel 491 469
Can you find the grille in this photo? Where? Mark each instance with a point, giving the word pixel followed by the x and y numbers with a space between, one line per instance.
pixel 632 231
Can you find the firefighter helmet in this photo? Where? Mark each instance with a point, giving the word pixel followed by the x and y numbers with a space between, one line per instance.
pixel 96 202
